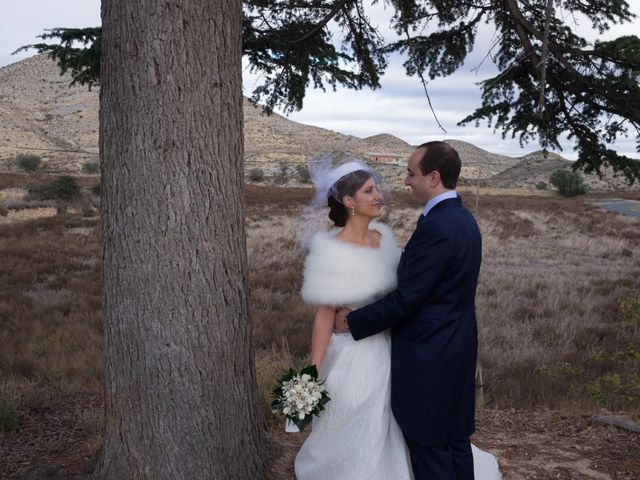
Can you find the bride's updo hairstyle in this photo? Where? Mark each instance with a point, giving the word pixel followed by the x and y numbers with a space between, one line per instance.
pixel 346 185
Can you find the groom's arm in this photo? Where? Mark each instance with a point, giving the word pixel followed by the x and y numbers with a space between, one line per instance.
pixel 425 263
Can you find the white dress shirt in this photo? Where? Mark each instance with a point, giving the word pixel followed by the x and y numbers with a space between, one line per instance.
pixel 437 199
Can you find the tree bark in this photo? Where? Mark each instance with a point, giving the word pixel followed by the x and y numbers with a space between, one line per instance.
pixel 181 396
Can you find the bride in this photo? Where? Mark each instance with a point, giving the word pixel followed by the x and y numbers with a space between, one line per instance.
pixel 356 437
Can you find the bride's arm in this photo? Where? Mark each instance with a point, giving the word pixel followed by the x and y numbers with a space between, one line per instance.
pixel 322 330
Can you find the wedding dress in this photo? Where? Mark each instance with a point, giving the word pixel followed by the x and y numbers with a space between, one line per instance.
pixel 356 436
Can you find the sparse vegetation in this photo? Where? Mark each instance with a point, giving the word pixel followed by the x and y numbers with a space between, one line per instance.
pixel 95 189
pixel 28 162
pixel 568 183
pixel 256 174
pixel 91 167
pixel 541 186
pixel 4 211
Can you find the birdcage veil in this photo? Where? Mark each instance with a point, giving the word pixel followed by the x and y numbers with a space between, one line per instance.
pixel 336 179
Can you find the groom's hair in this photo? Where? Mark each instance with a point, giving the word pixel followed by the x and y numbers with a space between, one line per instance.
pixel 442 157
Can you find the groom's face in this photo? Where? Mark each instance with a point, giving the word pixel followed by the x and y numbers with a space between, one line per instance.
pixel 421 185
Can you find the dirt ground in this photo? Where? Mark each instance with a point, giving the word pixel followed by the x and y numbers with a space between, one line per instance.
pixel 540 445
pixel 529 445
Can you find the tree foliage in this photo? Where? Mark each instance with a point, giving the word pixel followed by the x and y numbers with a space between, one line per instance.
pixel 84 62
pixel 590 90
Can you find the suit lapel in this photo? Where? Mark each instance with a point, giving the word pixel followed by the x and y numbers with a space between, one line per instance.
pixel 449 202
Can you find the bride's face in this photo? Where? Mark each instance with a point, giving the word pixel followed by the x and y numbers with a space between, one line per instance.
pixel 368 200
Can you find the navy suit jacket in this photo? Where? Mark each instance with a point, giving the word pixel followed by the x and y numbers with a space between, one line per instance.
pixel 432 319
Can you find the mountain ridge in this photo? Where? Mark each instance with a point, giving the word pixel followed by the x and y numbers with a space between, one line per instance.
pixel 41 113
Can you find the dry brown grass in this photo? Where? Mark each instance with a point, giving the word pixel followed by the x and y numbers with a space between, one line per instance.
pixel 50 304
pixel 553 273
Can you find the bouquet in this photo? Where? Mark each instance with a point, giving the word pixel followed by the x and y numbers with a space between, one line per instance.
pixel 299 396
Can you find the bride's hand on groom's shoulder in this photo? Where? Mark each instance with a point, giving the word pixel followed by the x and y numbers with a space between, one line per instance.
pixel 340 324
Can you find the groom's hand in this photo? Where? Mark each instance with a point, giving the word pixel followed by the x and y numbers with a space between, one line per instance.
pixel 340 324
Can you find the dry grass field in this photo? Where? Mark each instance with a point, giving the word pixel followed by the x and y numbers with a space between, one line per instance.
pixel 557 309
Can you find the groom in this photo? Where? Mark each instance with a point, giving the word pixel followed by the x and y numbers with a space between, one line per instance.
pixel 432 319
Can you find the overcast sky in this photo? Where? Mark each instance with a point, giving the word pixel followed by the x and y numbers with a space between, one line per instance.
pixel 399 107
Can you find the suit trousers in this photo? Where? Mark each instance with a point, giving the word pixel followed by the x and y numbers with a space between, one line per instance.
pixel 452 461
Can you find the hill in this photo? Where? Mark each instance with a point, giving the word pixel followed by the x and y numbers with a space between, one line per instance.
pixel 536 167
pixel 41 113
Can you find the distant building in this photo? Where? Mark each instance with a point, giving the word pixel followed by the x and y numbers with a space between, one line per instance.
pixel 383 157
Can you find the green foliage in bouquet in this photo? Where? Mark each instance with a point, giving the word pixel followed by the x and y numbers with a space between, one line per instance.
pixel 299 396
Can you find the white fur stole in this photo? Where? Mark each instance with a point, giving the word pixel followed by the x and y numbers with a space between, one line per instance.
pixel 340 274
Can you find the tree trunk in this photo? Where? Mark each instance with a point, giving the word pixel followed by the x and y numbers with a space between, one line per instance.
pixel 181 396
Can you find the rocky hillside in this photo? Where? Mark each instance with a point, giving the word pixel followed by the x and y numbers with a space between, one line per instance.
pixel 41 114
pixel 536 167
pixel 276 138
pixel 478 163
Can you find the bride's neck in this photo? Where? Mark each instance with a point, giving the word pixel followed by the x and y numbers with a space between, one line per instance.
pixel 356 230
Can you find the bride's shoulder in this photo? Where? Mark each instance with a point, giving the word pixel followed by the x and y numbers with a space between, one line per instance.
pixel 322 239
pixel 382 228
pixel 387 237
pixel 326 251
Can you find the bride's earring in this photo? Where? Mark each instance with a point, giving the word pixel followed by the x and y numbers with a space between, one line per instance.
pixel 353 210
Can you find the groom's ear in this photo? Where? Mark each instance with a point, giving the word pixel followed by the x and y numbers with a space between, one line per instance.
pixel 435 177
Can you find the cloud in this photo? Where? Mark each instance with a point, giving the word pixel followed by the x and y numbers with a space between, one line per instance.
pixel 23 21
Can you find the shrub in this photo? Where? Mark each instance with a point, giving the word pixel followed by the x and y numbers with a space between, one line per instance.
pixel 568 183
pixel 95 189
pixel 629 310
pixel 303 173
pixel 616 391
pixel 256 174
pixel 62 188
pixel 284 169
pixel 4 211
pixel 10 418
pixel 541 185
pixel 28 162
pixel 91 167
